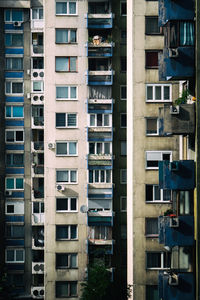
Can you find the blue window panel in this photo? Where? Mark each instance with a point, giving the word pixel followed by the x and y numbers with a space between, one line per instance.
pixel 14 74
pixel 12 27
pixel 99 140
pixel 14 218
pixel 14 123
pixel 100 167
pixel 14 147
pixel 14 51
pixel 14 170
pixel 11 266
pixel 17 194
pixel 15 99
pixel 100 196
pixel 15 243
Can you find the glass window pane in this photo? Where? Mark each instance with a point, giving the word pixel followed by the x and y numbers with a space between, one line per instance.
pixel 90 176
pixel 166 93
pixel 108 176
pixel 9 136
pixel 73 289
pixel 152 292
pixel 61 260
pixel 158 93
pixel 73 260
pixel 62 203
pixel 10 255
pixel 72 63
pixel 99 119
pixel 9 183
pixel 61 148
pixel 153 260
pixel 107 148
pixel 40 13
pixel 151 126
pixel 62 92
pixel 8 41
pixel 17 39
pixel 73 176
pixel 61 36
pixel 73 36
pixel 18 159
pixel 62 64
pixel 7 14
pixel 73 92
pixel 18 111
pixel 34 13
pixel 62 232
pixel 71 120
pixel 73 203
pixel 19 255
pixel 72 148
pixel 62 176
pixel 17 87
pixel 60 120
pixel 157 193
pixel 19 136
pixel 91 148
pixel 72 8
pixel 102 175
pixel 8 111
pixel 61 7
pixel 19 183
pixel 17 15
pixel 37 86
pixel 73 231
pixel 92 120
pixel 106 120
pixel 36 207
pixel 167 195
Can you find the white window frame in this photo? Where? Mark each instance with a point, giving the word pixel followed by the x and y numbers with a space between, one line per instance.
pixel 69 176
pixel 11 60
pixel 40 207
pixel 69 266
pixel 161 158
pixel 37 9
pixel 121 87
pixel 11 20
pixel 69 233
pixel 7 189
pixel 122 200
pixel 67 14
pixel 103 120
pixel 11 88
pixel 99 176
pixel 121 176
pixel 14 130
pixel 69 93
pixel 153 134
pixel 67 146
pixel 161 195
pixel 69 70
pixel 15 252
pixel 68 199
pixel 66 121
pixel 162 85
pixel 103 148
pixel 12 112
pixel 69 32
pixel 162 261
pixel 42 86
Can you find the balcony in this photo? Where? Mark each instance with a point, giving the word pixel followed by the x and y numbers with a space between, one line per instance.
pixel 99 49
pixel 100 249
pixel 100 218
pixel 177 175
pixel 37 146
pixel 37 122
pixel 178 119
pixel 176 286
pixel 100 107
pixel 37 24
pixel 99 21
pixel 38 237
pixel 100 77
pixel 37 267
pixel 176 231
pixel 38 219
pixel 37 292
pixel 175 10
pixel 38 170
pixel 100 134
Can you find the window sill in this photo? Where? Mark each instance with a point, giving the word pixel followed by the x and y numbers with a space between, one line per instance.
pixel 66 15
pixel 65 99
pixel 66 211
pixel 158 101
pixel 158 202
pixel 69 43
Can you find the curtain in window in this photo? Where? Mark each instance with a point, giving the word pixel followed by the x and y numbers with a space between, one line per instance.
pixel 61 64
pixel 72 36
pixel 72 8
pixel 71 120
pixel 60 120
pixel 62 36
pixel 186 33
pixel 100 93
pixel 61 7
pixel 62 92
pixel 61 148
pixel 72 148
pixel 73 92
pixel 62 176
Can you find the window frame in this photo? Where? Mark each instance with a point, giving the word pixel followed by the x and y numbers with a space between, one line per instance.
pixel 121 87
pixel 66 14
pixel 121 10
pixel 162 85
pixel 15 180
pixel 69 265
pixel 69 92
pixel 103 120
pixel 15 253
pixel 11 59
pixel 69 295
pixel 157 120
pixel 68 34
pixel 13 81
pixel 122 148
pixel 152 67
pixel 146 26
pixel 11 106
pixel 162 152
pixel 151 235
pixel 11 39
pixel 121 121
pixel 161 195
pixel 103 148
pixel 105 171
pixel 42 86
pixel 14 130
pixel 121 177
pixel 11 16
pixel 66 120
pixel 68 70
pixel 67 143
pixel 162 259
pixel 69 176
pixel 122 209
pixel 12 160
pixel 68 232
pixel 38 14
pixel 69 210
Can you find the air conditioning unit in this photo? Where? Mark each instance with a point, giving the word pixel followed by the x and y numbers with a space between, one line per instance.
pixel 51 146
pixel 173 279
pixel 60 187
pixel 37 292
pixel 17 24
pixel 174 222
pixel 38 267
pixel 8 193
pixel 173 52
pixel 174 166
pixel 174 110
pixel 28 95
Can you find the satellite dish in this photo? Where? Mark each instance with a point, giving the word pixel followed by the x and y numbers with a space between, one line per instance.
pixel 84 209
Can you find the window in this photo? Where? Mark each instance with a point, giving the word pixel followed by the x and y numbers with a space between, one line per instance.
pixel 14 183
pixel 123 120
pixel 14 111
pixel 66 176
pixel 123 147
pixel 100 148
pixel 66 148
pixel 66 232
pixel 38 63
pixel 100 232
pixel 123 64
pixel 151 59
pixel 66 120
pixel 151 25
pixel 123 203
pixel 152 290
pixel 66 93
pixel 38 86
pixel 123 95
pixel 38 207
pixel 123 176
pixel 157 260
pixel 65 36
pixel 14 39
pixel 66 8
pixel 186 202
pixel 158 92
pixel 123 229
pixel 16 280
pixel 100 176
pixel 12 136
pixel 180 33
pixel 14 207
pixel 123 8
pixel 155 194
pixel 15 255
pixel 66 64
pixel 97 120
pixel 12 15
pixel 66 289
pixel 14 231
pixel 152 126
pixel 14 160
pixel 66 204
pixel 153 157
pixel 151 227
pixel 14 63
pixel 14 87
pixel 66 260
pixel 123 36
pixel 37 13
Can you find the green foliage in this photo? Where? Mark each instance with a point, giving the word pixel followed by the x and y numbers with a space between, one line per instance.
pixel 183 98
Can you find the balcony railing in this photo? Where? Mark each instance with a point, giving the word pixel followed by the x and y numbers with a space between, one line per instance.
pixel 100 77
pixel 100 20
pixel 37 122
pixel 38 219
pixel 37 50
pixel 37 146
pixel 100 50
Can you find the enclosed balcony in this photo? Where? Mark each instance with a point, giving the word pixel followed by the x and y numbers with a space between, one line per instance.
pixel 100 235
pixel 175 10
pixel 37 21
pixel 38 213
pixel 37 144
pixel 99 17
pixel 37 44
pixel 38 165
pixel 176 230
pixel 176 286
pixel 99 48
pixel 100 77
pixel 100 217
pixel 38 188
pixel 177 175
pixel 38 237
pixel 38 116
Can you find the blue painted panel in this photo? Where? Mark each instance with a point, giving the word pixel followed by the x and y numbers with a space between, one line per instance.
pixel 14 51
pixel 11 266
pixel 100 82
pixel 100 167
pixel 15 243
pixel 183 178
pixel 183 235
pixel 14 218
pixel 185 290
pixel 100 221
pixel 100 196
pixel 15 99
pixel 175 10
pixel 14 170
pixel 15 147
pixel 14 123
pixel 99 140
pixel 11 26
pixel 14 74
pixel 177 68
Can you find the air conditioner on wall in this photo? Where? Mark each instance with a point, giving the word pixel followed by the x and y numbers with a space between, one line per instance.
pixel 51 146
pixel 17 24
pixel 60 187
